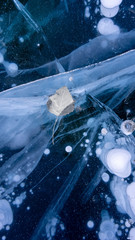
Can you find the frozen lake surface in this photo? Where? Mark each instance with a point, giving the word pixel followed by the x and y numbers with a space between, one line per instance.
pixel 69 172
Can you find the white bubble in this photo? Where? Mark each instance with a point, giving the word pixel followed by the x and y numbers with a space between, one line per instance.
pixel 87 12
pixel 103 131
pixel 21 39
pixel 16 178
pixel 70 79
pixel 106 27
pixel 90 224
pixel 127 223
pixel 11 68
pixel 105 177
pixel 47 151
pixel 109 12
pixel 22 184
pixel 7 227
pixel 111 4
pixel 68 149
pixel 98 151
pixel 118 161
pixel 3 238
pixel 127 127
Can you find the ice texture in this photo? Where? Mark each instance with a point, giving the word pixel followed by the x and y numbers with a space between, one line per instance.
pixel 6 214
pixel 88 53
pixel 122 194
pixel 27 104
pixel 90 143
pixel 108 228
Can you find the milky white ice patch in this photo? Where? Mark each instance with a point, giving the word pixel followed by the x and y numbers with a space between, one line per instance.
pixel 109 12
pixel 108 228
pixel 106 27
pixel 131 195
pixel 132 234
pixel 118 161
pixel 111 4
pixel 6 215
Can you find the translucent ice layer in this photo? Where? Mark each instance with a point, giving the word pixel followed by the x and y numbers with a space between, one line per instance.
pixel 27 104
pixel 89 53
pixel 6 215
pixel 108 228
pixel 124 195
pixel 57 167
pixel 93 131
pixel 102 117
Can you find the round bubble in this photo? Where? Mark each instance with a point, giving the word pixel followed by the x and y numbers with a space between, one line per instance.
pixel 68 149
pixel 111 4
pixel 106 27
pixel 118 161
pixel 127 127
pixel 109 12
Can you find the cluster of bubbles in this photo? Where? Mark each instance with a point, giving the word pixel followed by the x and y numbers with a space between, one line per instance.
pixel 108 9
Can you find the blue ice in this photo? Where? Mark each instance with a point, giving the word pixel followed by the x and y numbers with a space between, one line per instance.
pixel 99 131
pixel 88 142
